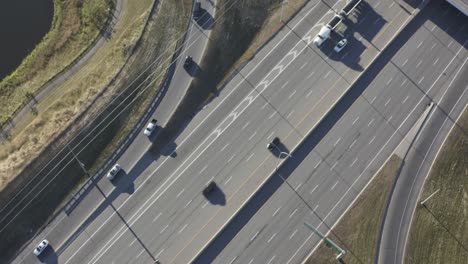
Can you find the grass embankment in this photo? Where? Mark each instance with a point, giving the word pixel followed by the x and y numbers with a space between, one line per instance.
pixel 358 230
pixel 84 98
pixel 35 132
pixel 240 30
pixel 439 232
pixel 76 24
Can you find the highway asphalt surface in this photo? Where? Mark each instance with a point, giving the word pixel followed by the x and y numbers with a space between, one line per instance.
pixel 156 209
pixel 418 161
pixel 340 157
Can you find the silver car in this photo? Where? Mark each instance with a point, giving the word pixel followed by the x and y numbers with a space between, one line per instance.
pixel 113 172
pixel 340 45
pixel 38 250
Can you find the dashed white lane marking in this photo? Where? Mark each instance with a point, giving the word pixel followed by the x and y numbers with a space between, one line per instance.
pixel 326 75
pixel 310 75
pixel 251 155
pixel 315 208
pixel 309 93
pixel 298 186
pixel 373 100
pixel 318 163
pixel 251 261
pixel 352 144
pixel 187 204
pixel 435 62
pixel 433 45
pixel 160 252
pixel 404 63
pixel 140 253
pixel 390 118
pixel 389 81
pixel 286 83
pixel 271 259
pixel 245 125
pixel 232 157
pixel 355 120
pixel 406 98
pixel 292 94
pixel 292 235
pixel 277 210
pixel 156 218
pixel 420 43
pixel 291 215
pixel 228 180
pixel 372 140
pixel 368 125
pixel 263 107
pixel 448 46
pixel 253 135
pixel 254 236
pixel 352 164
pixel 234 259
pixel 272 115
pixel 271 134
pixel 180 193
pixel 271 238
pixel 303 65
pixel 391 5
pixel 419 64
pixel 376 20
pixel 202 170
pixel 337 142
pixel 334 185
pixel 164 229
pixel 432 29
pixel 182 229
pixel 344 56
pixel 204 205
pixel 403 83
pixel 421 80
pixel 334 165
pixel 289 115
pixel 225 146
pixel 377 4
pixel 388 101
pixel 314 189
pixel 134 240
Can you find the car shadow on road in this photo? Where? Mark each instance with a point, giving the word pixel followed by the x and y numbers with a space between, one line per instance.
pixel 206 20
pixel 216 196
pixel 48 256
pixel 259 199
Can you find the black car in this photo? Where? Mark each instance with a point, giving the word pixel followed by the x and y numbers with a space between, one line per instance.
pixel 197 10
pixel 273 144
pixel 188 62
pixel 209 188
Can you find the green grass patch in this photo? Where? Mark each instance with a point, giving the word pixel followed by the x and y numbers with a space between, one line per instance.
pixel 439 232
pixel 358 230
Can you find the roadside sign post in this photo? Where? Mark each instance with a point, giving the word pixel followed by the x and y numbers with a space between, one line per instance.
pixel 328 242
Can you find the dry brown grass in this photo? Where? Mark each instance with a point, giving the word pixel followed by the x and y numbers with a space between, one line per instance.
pixel 439 232
pixel 358 230
pixel 70 35
pixel 56 112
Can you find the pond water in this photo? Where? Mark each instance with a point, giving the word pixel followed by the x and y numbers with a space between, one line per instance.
pixel 23 23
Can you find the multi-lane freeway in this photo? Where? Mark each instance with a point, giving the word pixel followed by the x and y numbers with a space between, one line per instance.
pixel 156 210
pixel 338 159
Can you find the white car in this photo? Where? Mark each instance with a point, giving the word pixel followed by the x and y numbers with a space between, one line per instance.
pixel 340 45
pixel 150 128
pixel 38 250
pixel 113 172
